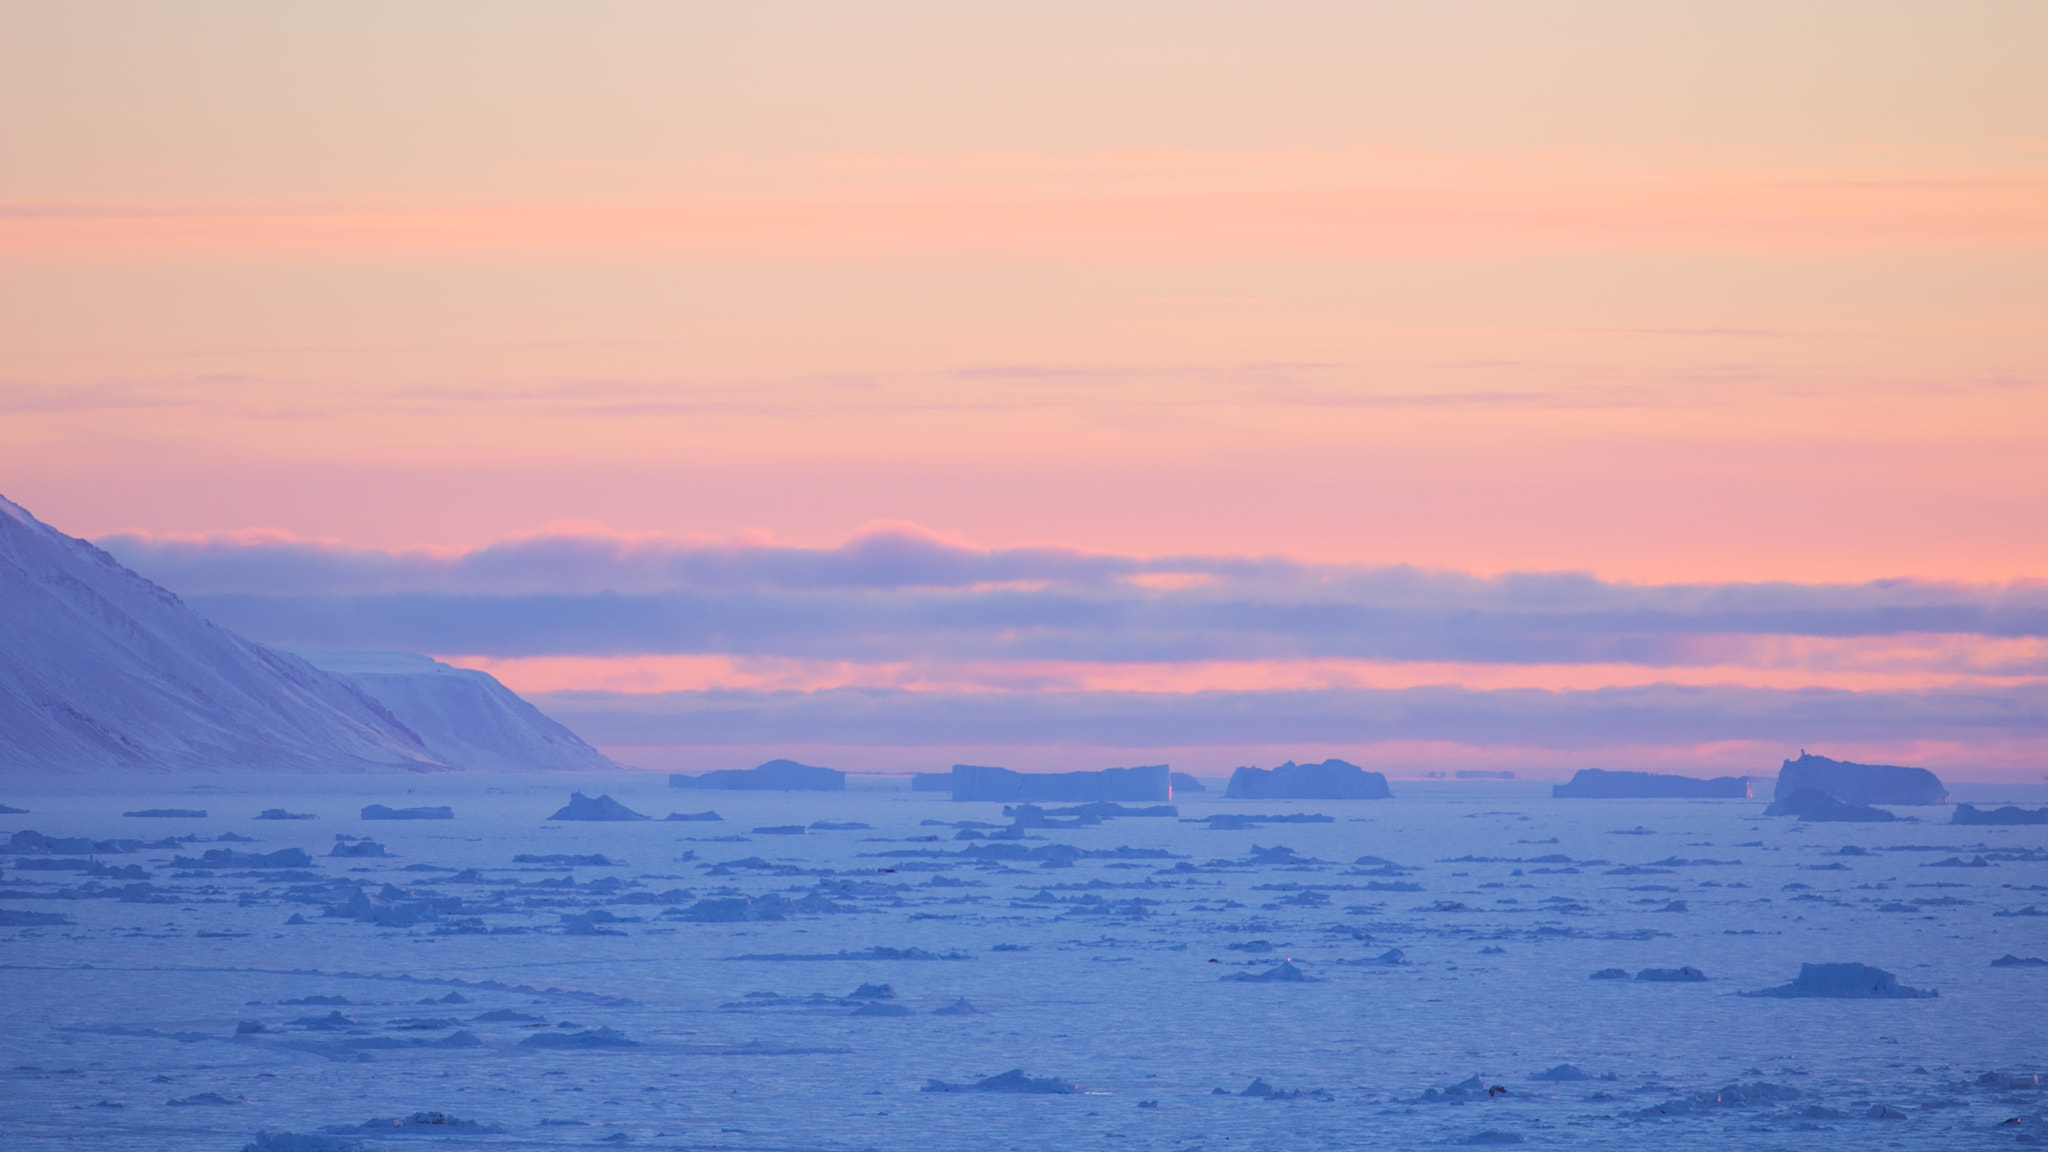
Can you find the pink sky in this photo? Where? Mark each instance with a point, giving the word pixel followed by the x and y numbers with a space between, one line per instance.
pixel 1665 295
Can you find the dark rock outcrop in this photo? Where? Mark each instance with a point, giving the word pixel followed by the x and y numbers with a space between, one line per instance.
pixel 2010 814
pixel 1860 783
pixel 581 807
pixel 1603 784
pixel 1330 780
pixel 774 776
pixel 1845 982
pixel 977 782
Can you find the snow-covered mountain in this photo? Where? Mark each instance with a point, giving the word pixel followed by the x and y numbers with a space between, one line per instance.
pixel 100 669
pixel 464 717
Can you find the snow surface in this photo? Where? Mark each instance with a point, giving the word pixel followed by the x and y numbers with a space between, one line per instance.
pixel 417 986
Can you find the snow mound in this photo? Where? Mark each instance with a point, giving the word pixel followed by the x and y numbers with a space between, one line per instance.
pixel 1845 982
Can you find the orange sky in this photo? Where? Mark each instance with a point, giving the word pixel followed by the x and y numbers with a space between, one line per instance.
pixel 1735 292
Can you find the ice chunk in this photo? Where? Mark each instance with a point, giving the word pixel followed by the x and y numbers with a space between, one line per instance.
pixel 1814 805
pixel 1012 1081
pixel 361 848
pixel 17 918
pixel 1845 982
pixel 1330 780
pixel 381 812
pixel 958 1007
pixel 1601 783
pixel 581 807
pixel 2010 814
pixel 1284 973
pixel 300 1142
pixel 1561 1073
pixel 281 814
pixel 979 782
pixel 594 1038
pixel 775 775
pixel 698 816
pixel 1686 975
pixel 171 813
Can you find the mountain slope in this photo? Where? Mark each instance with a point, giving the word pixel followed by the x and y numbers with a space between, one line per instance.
pixel 101 669
pixel 462 716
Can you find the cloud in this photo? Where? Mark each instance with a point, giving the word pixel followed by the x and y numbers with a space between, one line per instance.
pixel 1655 715
pixel 897 592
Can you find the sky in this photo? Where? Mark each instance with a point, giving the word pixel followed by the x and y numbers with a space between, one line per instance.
pixel 1487 385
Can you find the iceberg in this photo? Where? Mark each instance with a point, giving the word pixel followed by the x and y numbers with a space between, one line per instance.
pixel 978 782
pixel 1601 783
pixel 581 807
pixel 1330 780
pixel 2010 814
pixel 1859 783
pixel 1844 982
pixel 775 775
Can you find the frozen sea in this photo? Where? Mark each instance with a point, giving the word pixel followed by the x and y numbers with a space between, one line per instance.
pixel 175 1008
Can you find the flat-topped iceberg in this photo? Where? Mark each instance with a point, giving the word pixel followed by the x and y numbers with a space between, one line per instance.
pixel 1604 784
pixel 978 782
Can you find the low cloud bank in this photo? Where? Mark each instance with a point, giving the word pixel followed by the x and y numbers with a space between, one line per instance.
pixel 898 593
